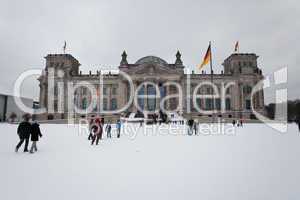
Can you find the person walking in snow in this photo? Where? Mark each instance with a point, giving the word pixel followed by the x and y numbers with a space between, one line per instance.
pixel 24 130
pixel 91 123
pixel 35 134
pixel 233 122
pixel 298 123
pixel 141 123
pixel 196 124
pixel 97 120
pixel 97 133
pixel 108 130
pixel 241 122
pixel 190 126
pixel 118 126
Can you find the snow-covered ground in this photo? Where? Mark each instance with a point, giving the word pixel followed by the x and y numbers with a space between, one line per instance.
pixel 255 163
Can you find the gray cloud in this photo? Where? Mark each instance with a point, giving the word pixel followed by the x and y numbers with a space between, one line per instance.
pixel 98 31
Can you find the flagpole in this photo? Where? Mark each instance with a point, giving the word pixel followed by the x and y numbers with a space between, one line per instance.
pixel 64 47
pixel 211 78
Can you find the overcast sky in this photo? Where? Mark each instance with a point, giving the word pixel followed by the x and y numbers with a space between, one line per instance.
pixel 98 31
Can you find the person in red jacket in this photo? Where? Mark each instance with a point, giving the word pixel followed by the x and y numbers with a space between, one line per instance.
pixel 97 120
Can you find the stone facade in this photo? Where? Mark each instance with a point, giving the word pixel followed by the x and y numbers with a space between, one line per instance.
pixel 241 70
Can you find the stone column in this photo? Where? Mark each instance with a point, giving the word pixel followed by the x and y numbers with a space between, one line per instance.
pixel 262 102
pixel 122 95
pixel 157 100
pixel 168 100
pixel 133 107
pixel 42 95
pixel 236 98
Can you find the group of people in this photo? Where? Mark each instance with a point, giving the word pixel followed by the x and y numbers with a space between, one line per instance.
pixel 26 131
pixel 193 125
pixel 96 129
pixel 238 122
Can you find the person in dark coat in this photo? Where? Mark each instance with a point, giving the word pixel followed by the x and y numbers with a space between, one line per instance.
pixel 24 130
pixel 35 134
pixel 241 122
pixel 97 120
pixel 298 123
pixel 196 124
pixel 108 130
pixel 233 122
pixel 118 126
pixel 97 133
pixel 191 125
pixel 91 123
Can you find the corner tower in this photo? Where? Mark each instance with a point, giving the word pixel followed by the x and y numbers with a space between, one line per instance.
pixel 55 64
pixel 241 63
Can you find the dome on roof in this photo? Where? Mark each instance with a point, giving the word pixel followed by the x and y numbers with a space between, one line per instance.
pixel 151 60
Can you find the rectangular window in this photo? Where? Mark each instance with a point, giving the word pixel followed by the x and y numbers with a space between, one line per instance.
pixel 227 104
pixel 248 104
pixel 208 104
pixel 199 103
pixel 105 104
pixel 114 104
pixel 114 91
pixel 104 90
pixel 218 104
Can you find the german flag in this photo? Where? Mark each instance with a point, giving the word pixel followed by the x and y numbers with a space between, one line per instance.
pixel 206 58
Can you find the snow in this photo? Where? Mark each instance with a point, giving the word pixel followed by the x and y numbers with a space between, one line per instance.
pixel 255 163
